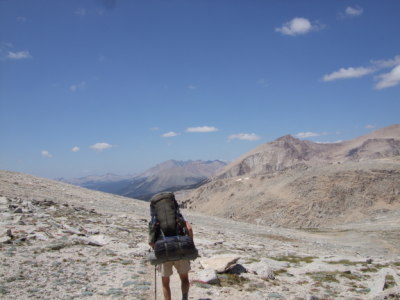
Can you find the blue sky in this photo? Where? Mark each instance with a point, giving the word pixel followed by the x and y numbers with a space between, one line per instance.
pixel 97 86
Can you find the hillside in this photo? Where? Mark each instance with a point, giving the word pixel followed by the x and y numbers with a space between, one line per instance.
pixel 60 241
pixel 295 183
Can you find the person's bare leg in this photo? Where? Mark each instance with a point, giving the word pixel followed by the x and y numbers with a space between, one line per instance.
pixel 166 289
pixel 185 286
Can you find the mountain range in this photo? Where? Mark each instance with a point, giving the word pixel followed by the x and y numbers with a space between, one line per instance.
pixel 298 183
pixel 171 175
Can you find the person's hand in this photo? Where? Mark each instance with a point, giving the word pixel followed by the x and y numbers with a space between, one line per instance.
pixel 151 245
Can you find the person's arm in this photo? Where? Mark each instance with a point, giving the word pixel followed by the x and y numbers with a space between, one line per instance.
pixel 190 229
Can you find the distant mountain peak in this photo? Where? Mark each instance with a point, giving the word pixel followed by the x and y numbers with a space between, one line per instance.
pixel 287 138
pixel 290 152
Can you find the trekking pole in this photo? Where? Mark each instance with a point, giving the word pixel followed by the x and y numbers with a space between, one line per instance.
pixel 155 282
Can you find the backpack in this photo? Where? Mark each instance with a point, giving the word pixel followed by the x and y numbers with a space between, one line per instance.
pixel 168 231
pixel 165 216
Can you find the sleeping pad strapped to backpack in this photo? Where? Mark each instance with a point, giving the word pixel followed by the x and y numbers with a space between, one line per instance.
pixel 167 229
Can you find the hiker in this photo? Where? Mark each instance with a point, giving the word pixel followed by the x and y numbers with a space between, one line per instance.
pixel 167 221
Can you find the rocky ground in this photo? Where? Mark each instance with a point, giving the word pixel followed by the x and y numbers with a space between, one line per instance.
pixel 63 242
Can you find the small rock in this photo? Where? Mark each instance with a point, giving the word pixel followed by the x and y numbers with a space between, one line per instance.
pixel 274 295
pixel 5 240
pixel 100 239
pixel 237 269
pixel 40 236
pixel 18 210
pixel 3 201
pixel 72 230
pixel 114 291
pixel 128 283
pixel 9 233
pixel 263 271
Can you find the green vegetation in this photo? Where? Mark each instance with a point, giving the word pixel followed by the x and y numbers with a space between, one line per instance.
pixel 389 282
pixel 369 269
pixel 295 259
pixel 231 279
pixel 333 276
pixel 324 276
pixel 346 262
pixel 280 272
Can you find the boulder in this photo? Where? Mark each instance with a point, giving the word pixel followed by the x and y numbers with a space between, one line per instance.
pixel 219 263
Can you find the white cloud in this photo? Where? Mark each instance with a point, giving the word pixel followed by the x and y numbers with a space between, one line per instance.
pixel 302 135
pixel 81 12
pixel 202 129
pixel 101 146
pixel 46 153
pixel 192 87
pixel 384 80
pixel 334 142
pixel 76 87
pixel 244 137
pixel 389 79
pixel 154 129
pixel 370 126
pixel 381 64
pixel 348 73
pixel 19 55
pixel 75 149
pixel 170 134
pixel 354 11
pixel 298 26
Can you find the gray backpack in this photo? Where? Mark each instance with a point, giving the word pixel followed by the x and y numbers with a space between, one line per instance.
pixel 165 217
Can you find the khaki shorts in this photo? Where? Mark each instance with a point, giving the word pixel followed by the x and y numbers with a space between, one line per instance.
pixel 182 266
